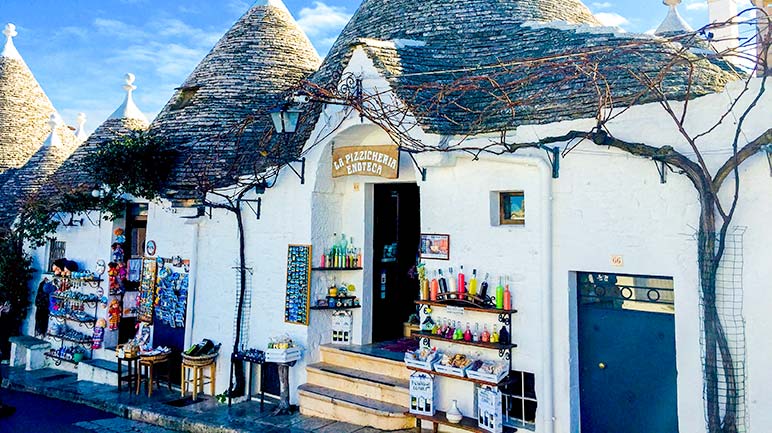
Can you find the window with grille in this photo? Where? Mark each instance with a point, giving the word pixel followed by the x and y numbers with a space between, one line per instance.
pixel 519 400
pixel 56 251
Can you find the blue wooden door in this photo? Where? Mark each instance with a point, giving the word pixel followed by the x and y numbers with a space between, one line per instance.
pixel 627 363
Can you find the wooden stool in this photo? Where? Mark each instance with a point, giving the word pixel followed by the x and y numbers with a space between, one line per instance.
pixel 132 367
pixel 147 371
pixel 197 366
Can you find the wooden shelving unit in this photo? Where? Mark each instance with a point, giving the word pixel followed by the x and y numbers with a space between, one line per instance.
pixel 466 379
pixel 467 423
pixel 336 269
pixel 493 346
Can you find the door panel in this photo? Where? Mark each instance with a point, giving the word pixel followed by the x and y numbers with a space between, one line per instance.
pixel 627 370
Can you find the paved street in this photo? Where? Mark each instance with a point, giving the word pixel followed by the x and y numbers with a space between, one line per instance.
pixel 37 414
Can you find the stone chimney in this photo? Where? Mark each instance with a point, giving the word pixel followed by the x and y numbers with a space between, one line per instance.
pixel 725 37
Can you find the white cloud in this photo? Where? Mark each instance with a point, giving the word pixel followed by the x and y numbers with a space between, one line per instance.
pixel 601 5
pixel 118 28
pixel 611 19
pixel 322 19
pixel 696 5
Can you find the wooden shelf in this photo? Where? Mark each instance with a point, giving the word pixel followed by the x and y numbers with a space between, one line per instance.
pixel 69 298
pixel 496 346
pixel 337 269
pixel 466 379
pixel 467 423
pixel 465 306
pixel 336 308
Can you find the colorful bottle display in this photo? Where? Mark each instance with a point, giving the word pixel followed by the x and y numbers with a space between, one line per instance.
pixel 452 287
pixel 442 282
pixel 507 298
pixel 435 288
pixel 500 295
pixel 461 283
pixel 341 254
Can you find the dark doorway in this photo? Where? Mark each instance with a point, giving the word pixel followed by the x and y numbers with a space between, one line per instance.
pixel 396 234
pixel 627 359
pixel 134 247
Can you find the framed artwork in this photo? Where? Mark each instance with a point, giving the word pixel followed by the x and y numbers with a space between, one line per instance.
pixel 435 246
pixel 512 208
pixel 298 295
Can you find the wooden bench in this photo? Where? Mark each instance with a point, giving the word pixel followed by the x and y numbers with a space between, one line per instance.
pixel 28 351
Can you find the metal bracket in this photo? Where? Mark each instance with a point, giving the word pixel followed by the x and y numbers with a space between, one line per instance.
pixel 99 220
pixel 505 318
pixel 302 173
pixel 553 154
pixel 421 170
pixel 662 168
pixel 255 209
pixel 71 223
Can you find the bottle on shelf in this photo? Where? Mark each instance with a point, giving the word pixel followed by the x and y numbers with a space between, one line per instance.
pixel 458 334
pixel 484 288
pixel 467 333
pixel 461 283
pixel 485 337
pixel 504 336
pixel 436 327
pixel 435 288
pixel 473 283
pixel 443 284
pixel 500 295
pixel 494 335
pixel 507 298
pixel 451 330
pixel 452 284
pixel 424 289
pixel 476 333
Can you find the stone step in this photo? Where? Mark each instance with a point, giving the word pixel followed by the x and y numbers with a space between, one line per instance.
pixel 364 362
pixel 342 406
pixel 358 382
pixel 98 371
pixel 28 352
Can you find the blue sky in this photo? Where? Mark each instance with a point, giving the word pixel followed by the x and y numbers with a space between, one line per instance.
pixel 79 50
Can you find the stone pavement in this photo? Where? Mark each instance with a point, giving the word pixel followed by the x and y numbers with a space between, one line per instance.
pixel 167 410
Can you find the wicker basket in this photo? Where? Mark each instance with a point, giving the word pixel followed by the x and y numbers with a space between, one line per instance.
pixel 199 361
pixel 154 358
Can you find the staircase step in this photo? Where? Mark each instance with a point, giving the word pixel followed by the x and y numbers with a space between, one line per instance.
pixel 98 371
pixel 386 367
pixel 358 382
pixel 338 405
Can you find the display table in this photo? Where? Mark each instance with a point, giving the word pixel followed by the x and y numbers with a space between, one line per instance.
pixel 148 370
pixel 258 358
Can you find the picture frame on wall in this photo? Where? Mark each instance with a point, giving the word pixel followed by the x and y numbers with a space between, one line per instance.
pixel 435 246
pixel 512 208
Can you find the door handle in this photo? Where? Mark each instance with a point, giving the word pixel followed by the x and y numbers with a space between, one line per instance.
pixel 602 366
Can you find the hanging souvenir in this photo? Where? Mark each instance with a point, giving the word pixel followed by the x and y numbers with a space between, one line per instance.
pixel 114 311
pixel 99 334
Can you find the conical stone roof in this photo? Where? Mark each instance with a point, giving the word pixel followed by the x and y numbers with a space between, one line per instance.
pixel 24 108
pixel 24 185
pixel 73 175
pixel 247 73
pixel 421 46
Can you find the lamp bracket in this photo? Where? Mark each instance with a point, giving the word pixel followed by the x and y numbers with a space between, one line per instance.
pixel 258 205
pixel 553 155
pixel 421 170
pixel 662 169
pixel 302 173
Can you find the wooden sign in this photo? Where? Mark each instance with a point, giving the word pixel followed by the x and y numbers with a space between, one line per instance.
pixel 297 298
pixel 379 161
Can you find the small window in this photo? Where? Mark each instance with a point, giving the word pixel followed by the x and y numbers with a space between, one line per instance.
pixel 512 208
pixel 56 251
pixel 185 97
pixel 519 400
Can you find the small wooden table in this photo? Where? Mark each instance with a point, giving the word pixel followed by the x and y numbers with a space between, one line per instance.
pixel 147 371
pixel 132 370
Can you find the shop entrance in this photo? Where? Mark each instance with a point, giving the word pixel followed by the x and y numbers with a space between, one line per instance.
pixel 627 359
pixel 396 234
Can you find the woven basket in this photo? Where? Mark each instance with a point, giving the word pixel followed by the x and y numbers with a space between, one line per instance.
pixel 198 361
pixel 127 355
pixel 154 358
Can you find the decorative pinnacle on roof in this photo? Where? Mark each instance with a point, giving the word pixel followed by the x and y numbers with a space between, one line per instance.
pixel 129 110
pixel 9 50
pixel 53 139
pixel 673 22
pixel 80 133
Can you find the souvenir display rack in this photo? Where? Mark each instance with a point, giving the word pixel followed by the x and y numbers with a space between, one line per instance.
pixel 69 292
pixel 504 351
pixel 325 307
pixel 298 290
